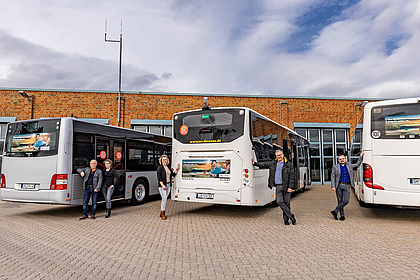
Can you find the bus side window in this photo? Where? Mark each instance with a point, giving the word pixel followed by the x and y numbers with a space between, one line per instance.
pixel 140 156
pixel 83 150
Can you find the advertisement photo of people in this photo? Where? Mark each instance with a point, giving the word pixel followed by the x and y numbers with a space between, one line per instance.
pixel 206 168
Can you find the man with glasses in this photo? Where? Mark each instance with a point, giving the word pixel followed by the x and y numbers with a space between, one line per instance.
pixel 341 180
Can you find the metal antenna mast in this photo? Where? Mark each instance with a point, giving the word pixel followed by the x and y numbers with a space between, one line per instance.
pixel 119 73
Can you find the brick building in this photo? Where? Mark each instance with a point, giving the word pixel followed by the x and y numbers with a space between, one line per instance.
pixel 332 125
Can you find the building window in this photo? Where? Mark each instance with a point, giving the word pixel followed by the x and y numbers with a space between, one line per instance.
pixel 3 128
pixel 140 127
pixel 157 129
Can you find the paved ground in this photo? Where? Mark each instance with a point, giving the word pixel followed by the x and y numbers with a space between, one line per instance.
pixel 200 241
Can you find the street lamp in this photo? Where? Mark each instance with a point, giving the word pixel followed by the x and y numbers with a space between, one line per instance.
pixel 119 73
pixel 26 95
pixel 30 97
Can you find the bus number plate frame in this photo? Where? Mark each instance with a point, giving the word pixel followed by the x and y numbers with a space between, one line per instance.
pixel 204 195
pixel 415 181
pixel 27 186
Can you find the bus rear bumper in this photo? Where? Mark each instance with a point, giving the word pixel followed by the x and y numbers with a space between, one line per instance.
pixel 39 196
pixel 214 197
pixel 219 197
pixel 391 197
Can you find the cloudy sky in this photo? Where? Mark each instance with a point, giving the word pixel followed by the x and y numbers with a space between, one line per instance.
pixel 325 48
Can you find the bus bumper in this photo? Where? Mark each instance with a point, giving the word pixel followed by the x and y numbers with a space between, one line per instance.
pixel 391 197
pixel 38 196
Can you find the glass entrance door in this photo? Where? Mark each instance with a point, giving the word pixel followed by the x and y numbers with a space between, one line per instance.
pixel 325 146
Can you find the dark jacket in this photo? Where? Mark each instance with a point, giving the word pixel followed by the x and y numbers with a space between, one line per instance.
pixel 161 175
pixel 111 178
pixel 288 173
pixel 97 177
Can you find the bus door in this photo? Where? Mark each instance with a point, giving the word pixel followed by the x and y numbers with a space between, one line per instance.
pixel 115 151
pixel 103 148
pixel 118 158
pixel 294 159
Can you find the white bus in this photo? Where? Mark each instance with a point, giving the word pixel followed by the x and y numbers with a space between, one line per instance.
pixel 391 165
pixel 40 159
pixel 215 147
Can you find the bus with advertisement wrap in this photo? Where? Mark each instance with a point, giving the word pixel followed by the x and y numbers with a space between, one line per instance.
pixel 41 157
pixel 214 148
pixel 391 164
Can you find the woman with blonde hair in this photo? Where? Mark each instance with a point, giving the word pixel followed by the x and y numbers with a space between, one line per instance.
pixel 164 176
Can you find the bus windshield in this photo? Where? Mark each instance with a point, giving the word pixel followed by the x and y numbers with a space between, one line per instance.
pixel 32 138
pixel 209 126
pixel 396 121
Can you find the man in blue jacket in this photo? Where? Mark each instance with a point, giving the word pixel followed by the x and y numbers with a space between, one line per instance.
pixel 341 180
pixel 282 177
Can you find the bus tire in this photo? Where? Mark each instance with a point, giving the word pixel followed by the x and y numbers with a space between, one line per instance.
pixel 140 192
pixel 364 204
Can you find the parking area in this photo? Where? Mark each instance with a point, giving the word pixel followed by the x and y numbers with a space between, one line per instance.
pixel 205 241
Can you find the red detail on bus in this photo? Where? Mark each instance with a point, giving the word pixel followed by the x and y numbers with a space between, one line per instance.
pixel 3 181
pixel 122 166
pixel 58 182
pixel 368 177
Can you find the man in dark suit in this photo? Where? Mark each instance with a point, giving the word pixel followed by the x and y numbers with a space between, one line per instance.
pixel 341 180
pixel 281 176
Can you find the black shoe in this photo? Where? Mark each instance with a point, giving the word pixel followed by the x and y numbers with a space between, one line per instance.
pixel 108 213
pixel 293 219
pixel 342 218
pixel 92 217
pixel 286 222
pixel 83 217
pixel 334 215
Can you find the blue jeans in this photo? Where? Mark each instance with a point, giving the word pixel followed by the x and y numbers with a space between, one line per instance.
pixel 89 191
pixel 108 195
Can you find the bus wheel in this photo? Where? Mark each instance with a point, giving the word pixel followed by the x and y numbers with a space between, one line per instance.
pixel 364 204
pixel 139 192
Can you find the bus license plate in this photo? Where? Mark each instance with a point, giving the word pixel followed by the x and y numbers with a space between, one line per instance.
pixel 415 181
pixel 205 195
pixel 27 186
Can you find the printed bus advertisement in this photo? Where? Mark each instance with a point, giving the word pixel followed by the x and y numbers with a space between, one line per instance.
pixel 31 142
pixel 206 168
pixel 402 125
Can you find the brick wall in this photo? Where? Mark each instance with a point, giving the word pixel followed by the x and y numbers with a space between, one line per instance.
pixel 84 104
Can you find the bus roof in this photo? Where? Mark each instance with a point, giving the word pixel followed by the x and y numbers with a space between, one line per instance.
pixel 103 129
pixel 392 102
pixel 246 108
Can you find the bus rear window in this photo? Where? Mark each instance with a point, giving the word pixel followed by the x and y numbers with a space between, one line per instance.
pixel 32 139
pixel 209 126
pixel 401 121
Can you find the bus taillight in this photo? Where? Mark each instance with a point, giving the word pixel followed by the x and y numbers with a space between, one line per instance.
pixel 368 177
pixel 3 181
pixel 58 182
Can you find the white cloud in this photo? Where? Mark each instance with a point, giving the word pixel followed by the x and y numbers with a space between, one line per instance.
pixel 218 46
